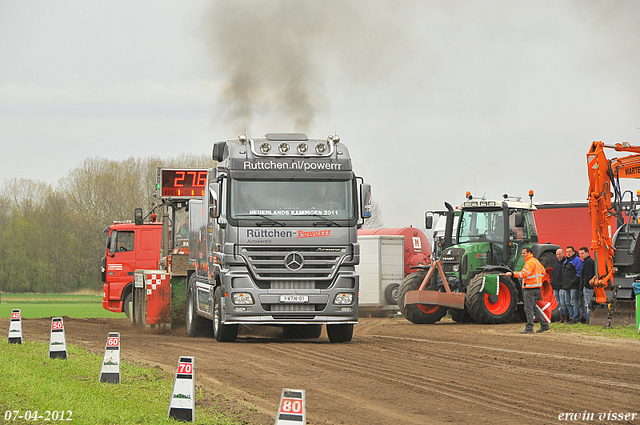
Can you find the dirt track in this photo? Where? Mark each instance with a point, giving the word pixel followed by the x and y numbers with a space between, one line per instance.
pixel 393 372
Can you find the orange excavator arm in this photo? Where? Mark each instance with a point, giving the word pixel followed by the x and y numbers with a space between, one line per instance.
pixel 603 179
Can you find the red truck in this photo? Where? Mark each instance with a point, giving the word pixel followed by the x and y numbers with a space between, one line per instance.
pixel 140 245
pixel 130 247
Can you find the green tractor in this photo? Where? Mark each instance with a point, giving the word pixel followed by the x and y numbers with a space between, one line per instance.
pixel 489 237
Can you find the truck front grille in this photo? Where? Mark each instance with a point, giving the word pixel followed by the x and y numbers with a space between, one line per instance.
pixel 318 269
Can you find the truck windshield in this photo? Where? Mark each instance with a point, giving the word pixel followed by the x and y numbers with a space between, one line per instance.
pixel 478 226
pixel 292 200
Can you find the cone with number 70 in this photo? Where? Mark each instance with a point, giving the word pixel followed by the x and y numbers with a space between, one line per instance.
pixel 182 404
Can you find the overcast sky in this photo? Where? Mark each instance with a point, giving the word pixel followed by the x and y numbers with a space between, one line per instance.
pixel 433 98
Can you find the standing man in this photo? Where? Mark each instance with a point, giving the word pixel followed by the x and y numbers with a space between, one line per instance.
pixel 531 276
pixel 588 272
pixel 556 283
pixel 571 275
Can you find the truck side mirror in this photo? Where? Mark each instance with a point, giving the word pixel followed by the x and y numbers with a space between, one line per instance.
pixel 214 210
pixel 365 200
pixel 217 152
pixel 137 216
pixel 519 220
pixel 428 220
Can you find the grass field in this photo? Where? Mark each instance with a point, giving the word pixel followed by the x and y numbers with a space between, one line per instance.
pixel 33 382
pixel 615 332
pixel 78 305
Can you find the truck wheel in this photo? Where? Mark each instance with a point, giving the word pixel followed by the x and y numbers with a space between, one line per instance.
pixel 196 325
pixel 222 332
pixel 491 309
pixel 127 303
pixel 460 315
pixel 340 333
pixel 302 331
pixel 391 293
pixel 418 313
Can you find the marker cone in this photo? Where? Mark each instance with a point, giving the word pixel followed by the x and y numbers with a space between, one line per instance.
pixel 110 371
pixel 182 404
pixel 57 342
pixel 292 409
pixel 15 328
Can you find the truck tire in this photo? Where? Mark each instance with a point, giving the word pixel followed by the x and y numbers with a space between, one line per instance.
pixel 460 315
pixel 484 309
pixel 222 332
pixel 340 333
pixel 127 303
pixel 391 293
pixel 416 313
pixel 196 325
pixel 302 331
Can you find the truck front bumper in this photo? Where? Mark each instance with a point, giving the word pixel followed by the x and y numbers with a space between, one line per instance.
pixel 274 306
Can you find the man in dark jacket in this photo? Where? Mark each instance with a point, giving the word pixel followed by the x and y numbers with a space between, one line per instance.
pixel 556 284
pixel 571 281
pixel 588 272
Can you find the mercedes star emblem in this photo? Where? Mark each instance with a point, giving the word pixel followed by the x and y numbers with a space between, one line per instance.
pixel 294 261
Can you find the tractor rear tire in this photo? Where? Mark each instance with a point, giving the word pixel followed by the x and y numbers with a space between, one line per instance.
pixel 491 309
pixel 547 259
pixel 460 315
pixel 418 313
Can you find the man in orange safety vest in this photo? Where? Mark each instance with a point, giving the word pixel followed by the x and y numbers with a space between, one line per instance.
pixel 531 275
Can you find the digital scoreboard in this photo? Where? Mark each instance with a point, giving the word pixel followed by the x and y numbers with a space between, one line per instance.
pixel 181 183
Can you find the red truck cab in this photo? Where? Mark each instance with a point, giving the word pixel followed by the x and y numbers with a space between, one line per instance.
pixel 129 247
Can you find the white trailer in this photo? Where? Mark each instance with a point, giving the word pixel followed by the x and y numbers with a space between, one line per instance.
pixel 381 271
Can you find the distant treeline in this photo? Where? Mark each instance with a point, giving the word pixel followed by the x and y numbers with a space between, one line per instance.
pixel 51 236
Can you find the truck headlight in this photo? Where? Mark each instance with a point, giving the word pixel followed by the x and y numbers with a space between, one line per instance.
pixel 456 268
pixel 346 298
pixel 242 298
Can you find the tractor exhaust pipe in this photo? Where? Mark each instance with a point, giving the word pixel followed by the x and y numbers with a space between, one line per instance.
pixel 505 251
pixel 448 229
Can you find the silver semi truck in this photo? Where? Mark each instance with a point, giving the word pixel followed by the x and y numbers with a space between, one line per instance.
pixel 274 239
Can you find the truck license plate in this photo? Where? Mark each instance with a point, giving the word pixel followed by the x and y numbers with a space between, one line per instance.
pixel 294 298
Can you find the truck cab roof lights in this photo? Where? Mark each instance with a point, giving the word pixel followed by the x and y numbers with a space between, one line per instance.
pixel 284 148
pixel 321 148
pixel 287 147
